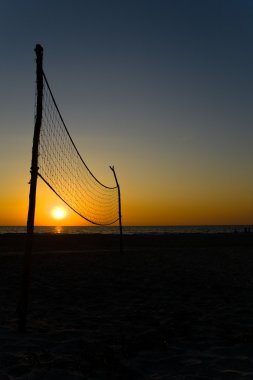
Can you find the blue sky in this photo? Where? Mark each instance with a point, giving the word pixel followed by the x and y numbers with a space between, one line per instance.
pixel 160 89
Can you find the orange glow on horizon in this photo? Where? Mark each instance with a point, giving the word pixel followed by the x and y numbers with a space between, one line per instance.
pixel 185 208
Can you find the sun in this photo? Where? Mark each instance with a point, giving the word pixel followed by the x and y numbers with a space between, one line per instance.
pixel 58 213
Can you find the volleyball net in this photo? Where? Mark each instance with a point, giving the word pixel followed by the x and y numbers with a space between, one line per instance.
pixel 62 168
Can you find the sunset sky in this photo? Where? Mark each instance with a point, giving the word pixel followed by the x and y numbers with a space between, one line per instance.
pixel 161 89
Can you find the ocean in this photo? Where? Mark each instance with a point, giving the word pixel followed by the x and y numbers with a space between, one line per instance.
pixel 129 230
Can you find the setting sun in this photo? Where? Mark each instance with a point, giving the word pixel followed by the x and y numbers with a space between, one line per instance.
pixel 58 213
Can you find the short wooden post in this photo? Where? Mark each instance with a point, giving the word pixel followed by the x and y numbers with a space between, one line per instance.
pixel 25 284
pixel 120 216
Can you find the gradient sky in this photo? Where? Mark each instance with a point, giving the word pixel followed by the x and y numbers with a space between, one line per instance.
pixel 163 90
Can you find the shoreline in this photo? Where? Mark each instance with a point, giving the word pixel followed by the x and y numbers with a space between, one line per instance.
pixel 78 242
pixel 129 230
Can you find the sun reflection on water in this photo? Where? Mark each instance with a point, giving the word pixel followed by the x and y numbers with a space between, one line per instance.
pixel 58 229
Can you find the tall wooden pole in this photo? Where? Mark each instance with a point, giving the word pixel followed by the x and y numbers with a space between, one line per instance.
pixel 120 216
pixel 25 285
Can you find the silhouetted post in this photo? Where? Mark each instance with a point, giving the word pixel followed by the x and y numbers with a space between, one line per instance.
pixel 25 285
pixel 119 200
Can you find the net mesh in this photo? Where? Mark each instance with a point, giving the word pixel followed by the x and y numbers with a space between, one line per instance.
pixel 62 168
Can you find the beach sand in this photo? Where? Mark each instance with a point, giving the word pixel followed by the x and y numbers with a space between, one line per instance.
pixel 169 307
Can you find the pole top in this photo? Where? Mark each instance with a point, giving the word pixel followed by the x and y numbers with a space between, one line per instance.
pixel 38 49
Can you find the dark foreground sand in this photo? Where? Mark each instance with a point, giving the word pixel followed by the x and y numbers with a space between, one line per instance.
pixel 170 307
